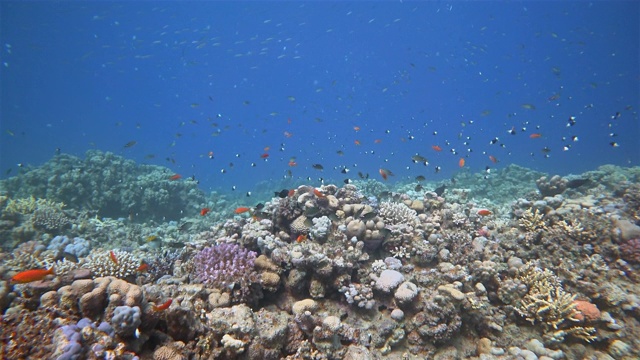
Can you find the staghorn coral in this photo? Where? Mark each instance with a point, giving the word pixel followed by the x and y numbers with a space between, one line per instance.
pixel 532 220
pixel 101 264
pixel 28 205
pixel 397 213
pixel 228 267
pixel 547 303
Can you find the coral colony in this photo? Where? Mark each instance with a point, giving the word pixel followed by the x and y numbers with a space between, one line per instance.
pixel 533 267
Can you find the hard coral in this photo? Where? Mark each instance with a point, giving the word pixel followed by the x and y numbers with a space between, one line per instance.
pixel 228 267
pixel 630 251
pixel 117 263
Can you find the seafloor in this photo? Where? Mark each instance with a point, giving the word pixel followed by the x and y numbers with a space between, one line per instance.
pixel 515 265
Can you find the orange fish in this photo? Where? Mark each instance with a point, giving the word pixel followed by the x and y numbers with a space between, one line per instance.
pixel 241 210
pixel 113 257
pixel 436 148
pixel 266 148
pixel 162 307
pixel 301 238
pixel 143 267
pixel 357 142
pixel 293 163
pixel 32 275
pixel 356 128
pixel 493 159
pixel 204 211
pixel 461 162
pixel 377 141
pixel 484 212
pixel 385 173
pixel 264 156
pixel 175 177
pixel 535 135
pixel 291 192
pixel 288 134
pixel 317 193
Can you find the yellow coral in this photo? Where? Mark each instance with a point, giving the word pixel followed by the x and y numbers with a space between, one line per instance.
pixel 532 220
pixel 31 204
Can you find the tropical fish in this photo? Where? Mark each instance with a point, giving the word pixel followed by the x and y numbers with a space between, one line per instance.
pixel 493 159
pixel 162 307
pixel 282 193
pixel 241 210
pixel 357 142
pixel 32 275
pixel 461 162
pixel 317 166
pixel 204 211
pixel 130 144
pixel 420 178
pixel 301 238
pixel 419 159
pixel 113 257
pixel 385 173
pixel 440 190
pixel 535 136
pixel 143 267
pixel 264 156
pixel 151 238
pixel 436 148
pixel 175 177
pixel 292 163
pixel 318 193
pixel 484 212
pixel 356 128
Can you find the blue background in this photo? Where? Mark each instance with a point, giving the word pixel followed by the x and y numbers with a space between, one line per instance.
pixel 184 79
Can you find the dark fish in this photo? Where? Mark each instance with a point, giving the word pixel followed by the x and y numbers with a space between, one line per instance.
pixel 282 193
pixel 260 206
pixel 418 187
pixel 8 171
pixel 440 190
pixel 347 181
pixel 575 183
pixel 66 255
pixel 185 226
pixel 420 178
pixel 130 144
pixel 344 171
pixel 317 166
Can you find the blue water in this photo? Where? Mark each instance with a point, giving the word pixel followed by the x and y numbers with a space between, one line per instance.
pixel 186 79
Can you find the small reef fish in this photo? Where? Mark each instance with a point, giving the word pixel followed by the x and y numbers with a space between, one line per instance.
pixel 484 212
pixel 241 210
pixel 113 257
pixel 318 193
pixel 420 178
pixel 440 190
pixel 175 177
pixel 356 128
pixel 151 238
pixel 301 238
pixel 493 159
pixel 291 192
pixel 535 136
pixel 436 148
pixel 317 166
pixel 385 173
pixel 204 211
pixel 357 142
pixel 264 156
pixel 162 307
pixel 143 267
pixel 461 162
pixel 32 275
pixel 282 193
pixel 292 163
pixel 419 159
pixel 130 144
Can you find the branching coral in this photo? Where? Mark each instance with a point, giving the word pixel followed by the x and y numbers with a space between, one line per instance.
pixel 547 303
pixel 532 220
pixel 117 263
pixel 396 213
pixel 228 267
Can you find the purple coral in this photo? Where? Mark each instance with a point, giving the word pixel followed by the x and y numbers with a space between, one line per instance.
pixel 630 251
pixel 227 266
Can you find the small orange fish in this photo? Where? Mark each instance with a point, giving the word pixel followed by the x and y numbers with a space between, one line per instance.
pixel 175 177
pixel 241 210
pixel 484 212
pixel 377 141
pixel 32 275
pixel 143 267
pixel 436 148
pixel 162 307
pixel 113 257
pixel 266 148
pixel 318 193
pixel 357 142
pixel 493 159
pixel 293 163
pixel 204 211
pixel 385 173
pixel 291 192
pixel 356 128
pixel 288 134
pixel 301 238
pixel 535 135
pixel 264 156
pixel 461 162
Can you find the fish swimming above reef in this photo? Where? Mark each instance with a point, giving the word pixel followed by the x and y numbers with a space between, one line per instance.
pixel 32 275
pixel 440 190
pixel 576 183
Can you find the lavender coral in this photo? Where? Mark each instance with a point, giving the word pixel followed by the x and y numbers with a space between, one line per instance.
pixel 228 267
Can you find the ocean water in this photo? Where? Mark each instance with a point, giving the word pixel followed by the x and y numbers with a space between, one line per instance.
pixel 295 80
pixel 319 180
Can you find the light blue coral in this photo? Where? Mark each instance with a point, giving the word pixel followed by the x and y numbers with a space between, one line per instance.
pixel 320 229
